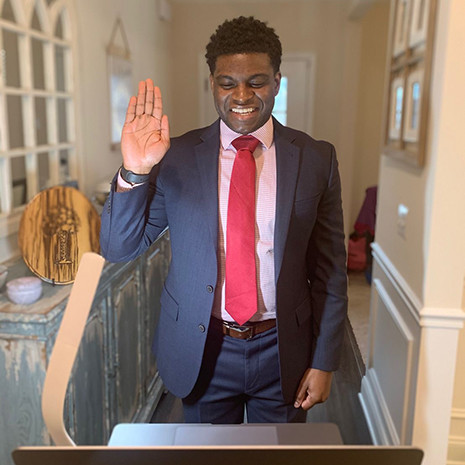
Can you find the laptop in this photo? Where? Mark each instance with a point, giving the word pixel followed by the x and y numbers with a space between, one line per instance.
pixel 222 455
pixel 185 434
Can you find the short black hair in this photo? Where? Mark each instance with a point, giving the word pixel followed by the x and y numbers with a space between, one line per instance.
pixel 244 35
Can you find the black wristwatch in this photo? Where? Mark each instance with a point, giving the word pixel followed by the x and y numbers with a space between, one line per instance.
pixel 133 178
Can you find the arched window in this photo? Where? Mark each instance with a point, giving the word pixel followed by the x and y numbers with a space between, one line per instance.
pixel 37 130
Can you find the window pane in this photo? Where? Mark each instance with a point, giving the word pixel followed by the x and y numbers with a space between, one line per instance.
pixel 7 12
pixel 415 105
pixel 421 15
pixel 62 120
pixel 2 168
pixel 59 27
pixel 399 103
pixel 38 64
pixel 11 57
pixel 41 121
pixel 60 67
pixel 402 18
pixel 280 104
pixel 43 170
pixel 15 121
pixel 18 177
pixel 64 165
pixel 35 23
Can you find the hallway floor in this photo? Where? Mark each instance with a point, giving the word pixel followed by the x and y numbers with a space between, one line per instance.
pixel 359 309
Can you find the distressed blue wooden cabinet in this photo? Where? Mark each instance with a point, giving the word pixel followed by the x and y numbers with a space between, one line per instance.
pixel 115 376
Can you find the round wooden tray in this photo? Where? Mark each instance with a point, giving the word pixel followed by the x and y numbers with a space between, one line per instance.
pixel 57 227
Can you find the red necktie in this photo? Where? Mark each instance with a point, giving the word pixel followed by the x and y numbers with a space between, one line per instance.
pixel 240 274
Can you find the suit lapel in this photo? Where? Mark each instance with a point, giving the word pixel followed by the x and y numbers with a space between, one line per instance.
pixel 287 169
pixel 206 153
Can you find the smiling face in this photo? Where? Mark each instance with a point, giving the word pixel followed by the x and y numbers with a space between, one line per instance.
pixel 244 87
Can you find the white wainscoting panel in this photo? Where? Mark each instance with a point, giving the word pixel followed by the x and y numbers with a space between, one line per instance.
pixel 388 388
pixel 393 334
pixel 387 385
pixel 407 390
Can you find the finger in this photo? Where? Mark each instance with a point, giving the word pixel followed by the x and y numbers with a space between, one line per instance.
pixel 149 97
pixel 301 393
pixel 131 111
pixel 140 105
pixel 157 104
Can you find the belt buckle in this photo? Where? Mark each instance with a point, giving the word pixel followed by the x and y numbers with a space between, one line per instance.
pixel 240 329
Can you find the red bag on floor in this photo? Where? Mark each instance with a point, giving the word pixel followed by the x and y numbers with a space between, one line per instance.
pixel 356 254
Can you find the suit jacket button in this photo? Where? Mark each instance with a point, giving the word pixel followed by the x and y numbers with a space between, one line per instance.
pixel 202 328
pixel 209 289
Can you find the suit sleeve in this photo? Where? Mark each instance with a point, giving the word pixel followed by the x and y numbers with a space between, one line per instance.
pixel 132 220
pixel 327 274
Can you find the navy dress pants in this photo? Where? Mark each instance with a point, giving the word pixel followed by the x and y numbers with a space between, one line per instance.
pixel 236 376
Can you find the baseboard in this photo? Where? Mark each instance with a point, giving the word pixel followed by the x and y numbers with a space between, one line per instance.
pixel 456 451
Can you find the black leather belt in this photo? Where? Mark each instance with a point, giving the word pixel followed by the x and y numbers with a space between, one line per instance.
pixel 247 331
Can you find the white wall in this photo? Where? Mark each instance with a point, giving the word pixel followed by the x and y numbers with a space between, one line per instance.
pixel 369 114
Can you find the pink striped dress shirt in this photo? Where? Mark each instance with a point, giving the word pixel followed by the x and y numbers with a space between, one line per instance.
pixel 265 162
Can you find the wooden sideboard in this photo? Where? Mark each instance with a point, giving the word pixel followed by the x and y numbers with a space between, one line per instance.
pixel 115 376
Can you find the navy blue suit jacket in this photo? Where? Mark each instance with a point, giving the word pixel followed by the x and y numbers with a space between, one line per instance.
pixel 310 260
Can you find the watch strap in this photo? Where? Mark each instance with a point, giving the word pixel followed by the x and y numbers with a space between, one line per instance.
pixel 133 178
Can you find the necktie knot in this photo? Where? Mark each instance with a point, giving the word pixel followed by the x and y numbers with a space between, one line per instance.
pixel 245 143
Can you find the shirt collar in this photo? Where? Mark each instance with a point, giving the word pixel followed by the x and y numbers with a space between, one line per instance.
pixel 264 134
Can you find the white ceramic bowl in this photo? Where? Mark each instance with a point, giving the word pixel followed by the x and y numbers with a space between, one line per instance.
pixel 24 291
pixel 101 192
pixel 3 275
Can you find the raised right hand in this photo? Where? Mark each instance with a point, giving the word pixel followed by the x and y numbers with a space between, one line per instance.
pixel 146 136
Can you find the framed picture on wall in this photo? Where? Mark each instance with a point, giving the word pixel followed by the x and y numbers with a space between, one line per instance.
pixel 119 80
pixel 401 32
pixel 409 74
pixel 419 22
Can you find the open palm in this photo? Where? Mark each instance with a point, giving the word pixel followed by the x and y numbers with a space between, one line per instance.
pixel 145 136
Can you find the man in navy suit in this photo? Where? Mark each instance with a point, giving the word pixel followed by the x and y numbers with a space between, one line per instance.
pixel 279 363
